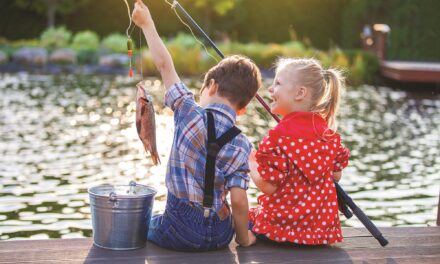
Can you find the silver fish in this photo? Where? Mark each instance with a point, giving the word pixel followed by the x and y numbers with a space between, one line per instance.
pixel 145 122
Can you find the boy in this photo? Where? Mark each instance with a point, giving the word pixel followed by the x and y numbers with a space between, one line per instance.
pixel 209 156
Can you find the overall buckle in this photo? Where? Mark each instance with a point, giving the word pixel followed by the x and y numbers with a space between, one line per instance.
pixel 206 212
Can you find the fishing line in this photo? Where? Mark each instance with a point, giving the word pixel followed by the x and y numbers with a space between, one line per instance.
pixel 173 6
pixel 140 53
pixel 130 23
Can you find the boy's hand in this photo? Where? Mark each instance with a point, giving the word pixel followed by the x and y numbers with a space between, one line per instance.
pixel 141 15
pixel 252 239
pixel 161 57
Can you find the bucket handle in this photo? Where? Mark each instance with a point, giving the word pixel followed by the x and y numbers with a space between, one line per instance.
pixel 113 198
pixel 132 185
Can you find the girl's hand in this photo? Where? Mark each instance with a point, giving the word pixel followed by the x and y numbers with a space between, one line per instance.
pixel 253 165
pixel 252 155
pixel 141 15
pixel 337 175
pixel 261 184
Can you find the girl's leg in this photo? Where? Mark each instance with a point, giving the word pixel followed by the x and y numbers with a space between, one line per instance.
pixel 261 237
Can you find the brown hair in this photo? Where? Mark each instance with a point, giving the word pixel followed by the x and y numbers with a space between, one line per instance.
pixel 238 79
pixel 326 86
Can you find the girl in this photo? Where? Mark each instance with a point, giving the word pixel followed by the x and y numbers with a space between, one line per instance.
pixel 299 158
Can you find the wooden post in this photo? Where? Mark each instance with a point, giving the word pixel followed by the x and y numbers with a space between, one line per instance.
pixel 380 33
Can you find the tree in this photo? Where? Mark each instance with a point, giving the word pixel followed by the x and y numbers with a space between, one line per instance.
pixel 51 7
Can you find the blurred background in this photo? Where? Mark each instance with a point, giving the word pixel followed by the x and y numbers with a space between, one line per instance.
pixel 67 104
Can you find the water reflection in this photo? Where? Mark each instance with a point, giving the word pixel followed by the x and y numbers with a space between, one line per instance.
pixel 63 134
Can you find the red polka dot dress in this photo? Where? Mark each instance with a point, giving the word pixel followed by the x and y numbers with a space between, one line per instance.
pixel 299 156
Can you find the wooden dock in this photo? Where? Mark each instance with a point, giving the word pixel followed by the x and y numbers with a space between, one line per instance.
pixel 407 245
pixel 405 71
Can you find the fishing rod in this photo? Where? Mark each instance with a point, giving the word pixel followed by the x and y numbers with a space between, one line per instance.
pixel 343 199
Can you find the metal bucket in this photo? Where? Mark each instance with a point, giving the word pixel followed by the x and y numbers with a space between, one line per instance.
pixel 121 215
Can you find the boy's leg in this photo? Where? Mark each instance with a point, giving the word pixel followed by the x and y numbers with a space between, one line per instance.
pixel 177 229
pixel 183 227
pixel 156 230
pixel 164 232
pixel 223 233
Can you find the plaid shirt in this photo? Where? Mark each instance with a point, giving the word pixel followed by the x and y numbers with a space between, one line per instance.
pixel 186 167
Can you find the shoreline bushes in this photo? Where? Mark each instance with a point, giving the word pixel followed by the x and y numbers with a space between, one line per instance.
pixel 191 59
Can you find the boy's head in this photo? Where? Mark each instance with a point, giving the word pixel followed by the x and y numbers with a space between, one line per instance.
pixel 236 79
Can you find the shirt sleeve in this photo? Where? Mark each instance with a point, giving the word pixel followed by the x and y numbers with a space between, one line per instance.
pixel 240 177
pixel 180 99
pixel 341 159
pixel 272 162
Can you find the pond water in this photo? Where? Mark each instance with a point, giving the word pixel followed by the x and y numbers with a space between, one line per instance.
pixel 60 135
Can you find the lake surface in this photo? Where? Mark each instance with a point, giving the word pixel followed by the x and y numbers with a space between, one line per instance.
pixel 60 135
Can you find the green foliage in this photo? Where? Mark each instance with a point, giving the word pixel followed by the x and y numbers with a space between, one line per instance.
pixel 221 7
pixel 186 60
pixel 8 50
pixel 87 56
pixel 148 66
pixel 184 40
pixel 55 37
pixel 115 43
pixel 51 7
pixel 25 43
pixel 415 34
pixel 41 6
pixel 4 41
pixel 85 40
pixel 191 59
pixel 275 21
pixel 294 49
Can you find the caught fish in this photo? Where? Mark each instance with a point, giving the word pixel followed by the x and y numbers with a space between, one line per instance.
pixel 145 122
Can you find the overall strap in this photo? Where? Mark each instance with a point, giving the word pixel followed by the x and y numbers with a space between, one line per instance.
pixel 213 148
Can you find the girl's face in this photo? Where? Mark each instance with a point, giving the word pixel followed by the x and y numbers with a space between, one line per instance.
pixel 282 93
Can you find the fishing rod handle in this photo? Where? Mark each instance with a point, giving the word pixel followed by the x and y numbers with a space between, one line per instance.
pixel 370 226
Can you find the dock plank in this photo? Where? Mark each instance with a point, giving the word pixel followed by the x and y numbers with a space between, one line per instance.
pixel 411 71
pixel 407 245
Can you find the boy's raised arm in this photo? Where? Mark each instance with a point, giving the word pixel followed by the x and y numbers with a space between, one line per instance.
pixel 162 59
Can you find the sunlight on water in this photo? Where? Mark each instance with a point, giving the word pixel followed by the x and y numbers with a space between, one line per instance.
pixel 61 135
